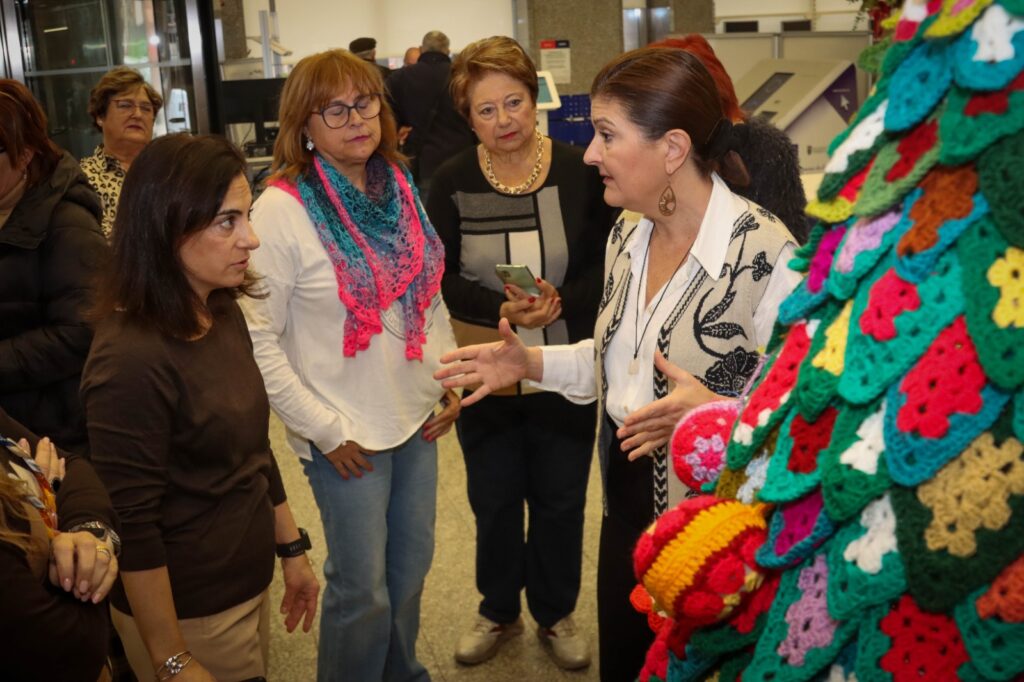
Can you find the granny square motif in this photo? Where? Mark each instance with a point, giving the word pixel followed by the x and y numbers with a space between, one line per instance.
pixel 866 241
pixel 893 323
pixel 999 177
pixel 955 17
pixel 864 563
pixel 938 407
pixel 996 646
pixel 993 271
pixel 793 469
pixel 853 468
pixel 918 84
pixel 989 55
pixel 812 290
pixel 795 531
pixel 973 121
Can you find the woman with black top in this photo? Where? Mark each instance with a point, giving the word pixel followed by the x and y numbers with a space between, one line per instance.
pixel 521 198
pixel 178 419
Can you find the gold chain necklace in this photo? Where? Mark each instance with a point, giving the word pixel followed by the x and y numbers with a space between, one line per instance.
pixel 518 189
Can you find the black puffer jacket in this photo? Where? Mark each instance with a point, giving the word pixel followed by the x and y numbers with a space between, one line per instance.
pixel 51 250
pixel 774 167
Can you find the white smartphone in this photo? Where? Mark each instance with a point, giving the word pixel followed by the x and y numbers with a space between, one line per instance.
pixel 519 275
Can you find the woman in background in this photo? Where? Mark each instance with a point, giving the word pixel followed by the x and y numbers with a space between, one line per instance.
pixel 347 340
pixel 123 107
pixel 178 423
pixel 520 197
pixel 51 250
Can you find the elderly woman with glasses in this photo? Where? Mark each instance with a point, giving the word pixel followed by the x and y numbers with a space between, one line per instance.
pixel 347 339
pixel 123 107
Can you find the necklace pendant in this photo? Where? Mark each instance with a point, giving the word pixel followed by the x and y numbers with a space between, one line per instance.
pixel 634 366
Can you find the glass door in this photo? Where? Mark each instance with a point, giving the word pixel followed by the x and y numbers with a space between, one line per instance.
pixel 65 47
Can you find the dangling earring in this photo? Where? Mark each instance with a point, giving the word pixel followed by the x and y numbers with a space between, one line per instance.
pixel 667 201
pixel 309 143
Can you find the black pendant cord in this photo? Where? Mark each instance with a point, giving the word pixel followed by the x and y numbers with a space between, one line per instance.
pixel 641 283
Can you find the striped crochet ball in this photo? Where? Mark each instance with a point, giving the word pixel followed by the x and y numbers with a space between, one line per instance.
pixel 697 560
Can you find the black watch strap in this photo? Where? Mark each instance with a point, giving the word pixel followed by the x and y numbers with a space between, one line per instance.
pixel 296 547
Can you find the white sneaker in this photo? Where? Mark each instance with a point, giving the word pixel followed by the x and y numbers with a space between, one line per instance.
pixel 484 640
pixel 566 644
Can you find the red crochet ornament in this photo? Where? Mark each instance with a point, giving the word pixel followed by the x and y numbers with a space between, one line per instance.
pixel 925 646
pixel 699 441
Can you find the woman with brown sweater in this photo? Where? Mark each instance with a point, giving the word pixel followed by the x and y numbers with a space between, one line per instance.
pixel 178 421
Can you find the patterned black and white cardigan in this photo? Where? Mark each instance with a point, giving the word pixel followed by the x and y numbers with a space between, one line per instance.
pixel 710 330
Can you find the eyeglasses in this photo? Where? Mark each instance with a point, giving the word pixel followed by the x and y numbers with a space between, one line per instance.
pixel 127 106
pixel 336 114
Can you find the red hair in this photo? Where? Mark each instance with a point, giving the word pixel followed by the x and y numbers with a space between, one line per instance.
pixel 697 45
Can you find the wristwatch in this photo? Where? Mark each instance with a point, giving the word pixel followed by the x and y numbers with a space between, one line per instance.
pixel 296 547
pixel 102 532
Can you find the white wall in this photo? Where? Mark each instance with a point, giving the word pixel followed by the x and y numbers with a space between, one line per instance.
pixel 825 15
pixel 308 26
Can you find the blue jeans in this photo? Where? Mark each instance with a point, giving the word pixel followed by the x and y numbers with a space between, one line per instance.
pixel 380 542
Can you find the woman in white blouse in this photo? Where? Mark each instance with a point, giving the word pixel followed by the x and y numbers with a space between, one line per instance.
pixel 696 278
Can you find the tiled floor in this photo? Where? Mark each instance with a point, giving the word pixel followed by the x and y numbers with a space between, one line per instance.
pixel 450 598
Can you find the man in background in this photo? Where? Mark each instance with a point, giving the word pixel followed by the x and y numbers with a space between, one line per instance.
pixel 420 98
pixel 366 49
pixel 412 55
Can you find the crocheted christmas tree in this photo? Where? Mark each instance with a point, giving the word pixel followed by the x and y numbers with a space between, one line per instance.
pixel 883 441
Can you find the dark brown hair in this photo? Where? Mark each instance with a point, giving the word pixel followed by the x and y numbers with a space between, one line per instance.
pixel 663 89
pixel 497 54
pixel 173 190
pixel 119 80
pixel 23 128
pixel 311 85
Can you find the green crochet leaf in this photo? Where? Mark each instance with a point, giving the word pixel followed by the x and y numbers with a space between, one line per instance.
pixel 801 639
pixel 996 647
pixel 816 385
pixel 900 165
pixel 853 469
pixel 893 323
pixel 973 121
pixel 864 564
pixel 793 468
pixel 864 244
pixel 937 579
pixel 993 271
pixel 999 178
pixel 872 645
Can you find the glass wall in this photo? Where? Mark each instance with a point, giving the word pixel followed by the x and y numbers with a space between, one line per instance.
pixel 65 47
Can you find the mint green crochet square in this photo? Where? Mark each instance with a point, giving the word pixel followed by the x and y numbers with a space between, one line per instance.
pixel 768 664
pixel 871 366
pixel 847 487
pixel 996 647
pixel 856 582
pixel 783 484
pixel 984 255
pixel 858 254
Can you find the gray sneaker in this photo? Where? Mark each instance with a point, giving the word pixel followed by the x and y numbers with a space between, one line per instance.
pixel 484 639
pixel 566 644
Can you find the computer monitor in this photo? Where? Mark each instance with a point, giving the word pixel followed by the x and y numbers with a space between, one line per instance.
pixel 253 100
pixel 547 92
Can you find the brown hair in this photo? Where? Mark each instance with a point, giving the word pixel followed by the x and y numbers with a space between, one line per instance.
pixel 697 44
pixel 23 128
pixel 498 54
pixel 663 89
pixel 311 85
pixel 173 190
pixel 119 80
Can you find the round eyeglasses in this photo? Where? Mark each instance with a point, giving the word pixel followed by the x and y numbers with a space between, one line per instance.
pixel 336 114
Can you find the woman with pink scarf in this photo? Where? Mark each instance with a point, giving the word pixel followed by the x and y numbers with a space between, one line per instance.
pixel 347 340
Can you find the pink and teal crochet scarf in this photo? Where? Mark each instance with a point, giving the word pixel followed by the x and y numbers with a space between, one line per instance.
pixel 381 244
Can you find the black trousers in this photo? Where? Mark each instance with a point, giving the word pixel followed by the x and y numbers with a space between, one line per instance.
pixel 623 633
pixel 536 449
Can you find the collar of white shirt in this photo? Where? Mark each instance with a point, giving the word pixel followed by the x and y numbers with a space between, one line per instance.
pixel 713 236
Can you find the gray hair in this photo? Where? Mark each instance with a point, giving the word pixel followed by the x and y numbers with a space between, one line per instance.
pixel 435 41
